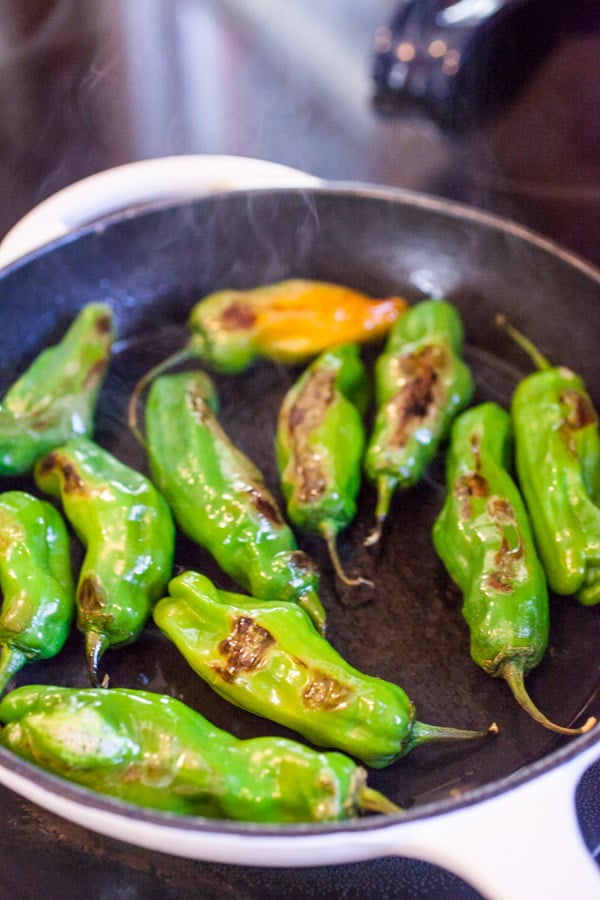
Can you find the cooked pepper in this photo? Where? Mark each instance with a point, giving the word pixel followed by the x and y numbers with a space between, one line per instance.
pixel 319 445
pixel 36 581
pixel 269 659
pixel 154 751
pixel 288 322
pixel 484 538
pixel 55 398
pixel 218 496
pixel 129 536
pixel 421 384
pixel 557 452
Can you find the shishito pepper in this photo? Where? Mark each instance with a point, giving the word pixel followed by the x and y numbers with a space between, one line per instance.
pixel 129 536
pixel 557 453
pixel 219 497
pixel 421 384
pixel 288 322
pixel 269 659
pixel 319 445
pixel 154 751
pixel 56 397
pixel 484 538
pixel 38 590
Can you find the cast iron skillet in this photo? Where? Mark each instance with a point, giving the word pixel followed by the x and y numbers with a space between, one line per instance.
pixel 152 265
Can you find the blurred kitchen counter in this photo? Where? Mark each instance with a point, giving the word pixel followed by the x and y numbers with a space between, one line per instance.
pixel 86 86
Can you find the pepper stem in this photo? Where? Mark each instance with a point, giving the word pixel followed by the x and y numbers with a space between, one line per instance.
pixel 12 661
pixel 180 356
pixel 370 800
pixel 95 645
pixel 538 359
pixel 513 674
pixel 424 734
pixel 312 606
pixel 386 485
pixel 329 533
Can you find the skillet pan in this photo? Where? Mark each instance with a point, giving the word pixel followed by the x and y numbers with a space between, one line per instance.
pixel 472 808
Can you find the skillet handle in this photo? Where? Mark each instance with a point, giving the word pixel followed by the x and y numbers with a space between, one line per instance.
pixel 523 843
pixel 134 184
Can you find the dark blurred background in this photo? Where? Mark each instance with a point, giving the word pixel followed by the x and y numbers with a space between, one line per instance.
pixel 495 104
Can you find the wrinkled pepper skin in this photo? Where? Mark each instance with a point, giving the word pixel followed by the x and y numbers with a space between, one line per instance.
pixel 268 658
pixel 484 538
pixel 38 590
pixel 288 322
pixel 421 383
pixel 129 536
pixel 218 496
pixel 154 751
pixel 319 445
pixel 557 452
pixel 55 398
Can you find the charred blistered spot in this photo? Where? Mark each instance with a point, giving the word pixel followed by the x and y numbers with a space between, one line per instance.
pixel 579 413
pixel 467 487
pixel 55 462
pixel 510 553
pixel 103 324
pixel 237 316
pixel 265 505
pixel 304 416
pixel 325 692
pixel 304 563
pixel 244 648
pixel 92 601
pixel 421 394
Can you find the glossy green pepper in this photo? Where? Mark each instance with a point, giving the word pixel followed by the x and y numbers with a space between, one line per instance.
pixel 55 398
pixel 269 659
pixel 319 445
pixel 557 452
pixel 484 538
pixel 36 580
pixel 218 496
pixel 154 751
pixel 421 384
pixel 129 536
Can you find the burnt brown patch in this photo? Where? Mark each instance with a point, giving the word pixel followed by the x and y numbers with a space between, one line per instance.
pixel 304 416
pixel 421 394
pixel 325 692
pixel 93 605
pixel 237 316
pixel 265 505
pixel 468 486
pixel 244 648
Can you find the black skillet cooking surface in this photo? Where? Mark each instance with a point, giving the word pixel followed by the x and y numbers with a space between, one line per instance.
pixel 152 266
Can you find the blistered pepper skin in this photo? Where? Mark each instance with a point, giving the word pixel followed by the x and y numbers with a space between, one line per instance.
pixel 218 496
pixel 154 751
pixel 319 445
pixel 421 383
pixel 36 580
pixel 483 536
pixel 557 452
pixel 55 398
pixel 288 322
pixel 268 658
pixel 129 536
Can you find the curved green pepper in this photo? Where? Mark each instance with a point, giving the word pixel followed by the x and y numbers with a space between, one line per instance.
pixel 55 398
pixel 154 751
pixel 36 580
pixel 319 445
pixel 269 659
pixel 127 529
pixel 484 538
pixel 219 498
pixel 557 444
pixel 421 384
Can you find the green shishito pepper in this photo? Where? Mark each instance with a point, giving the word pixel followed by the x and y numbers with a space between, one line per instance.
pixel 154 751
pixel 269 659
pixel 55 398
pixel 319 445
pixel 218 496
pixel 484 538
pixel 421 384
pixel 129 536
pixel 557 452
pixel 36 580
